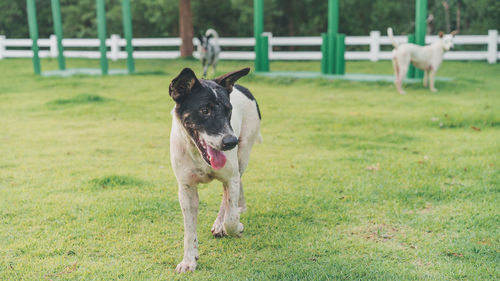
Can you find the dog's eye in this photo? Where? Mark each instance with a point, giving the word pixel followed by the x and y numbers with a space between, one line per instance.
pixel 205 111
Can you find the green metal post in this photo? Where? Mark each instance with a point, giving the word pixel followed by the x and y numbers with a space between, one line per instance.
pixel 324 53
pixel 340 58
pixel 411 69
pixel 333 16
pixel 264 49
pixel 420 28
pixel 33 27
pixel 258 28
pixel 127 31
pixel 101 30
pixel 56 18
pixel 333 29
pixel 332 38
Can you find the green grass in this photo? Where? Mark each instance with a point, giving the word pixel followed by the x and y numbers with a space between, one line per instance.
pixel 353 181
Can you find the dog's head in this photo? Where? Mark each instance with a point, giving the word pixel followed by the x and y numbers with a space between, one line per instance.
pixel 204 41
pixel 204 110
pixel 447 40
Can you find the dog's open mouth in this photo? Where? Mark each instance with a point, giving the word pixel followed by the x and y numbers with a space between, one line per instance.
pixel 215 158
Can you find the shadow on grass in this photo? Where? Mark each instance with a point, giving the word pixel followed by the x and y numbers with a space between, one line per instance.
pixel 116 180
pixel 79 99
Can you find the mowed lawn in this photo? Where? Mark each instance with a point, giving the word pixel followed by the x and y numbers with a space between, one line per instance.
pixel 353 181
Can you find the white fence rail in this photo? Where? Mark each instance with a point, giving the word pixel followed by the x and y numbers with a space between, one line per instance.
pixel 10 48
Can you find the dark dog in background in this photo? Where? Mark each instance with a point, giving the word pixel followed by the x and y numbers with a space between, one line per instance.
pixel 209 50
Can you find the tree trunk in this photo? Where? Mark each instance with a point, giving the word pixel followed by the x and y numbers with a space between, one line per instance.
pixel 446 7
pixel 291 25
pixel 457 28
pixel 186 28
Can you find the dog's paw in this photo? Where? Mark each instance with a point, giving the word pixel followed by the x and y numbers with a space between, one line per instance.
pixel 235 231
pixel 218 230
pixel 434 90
pixel 242 209
pixel 186 266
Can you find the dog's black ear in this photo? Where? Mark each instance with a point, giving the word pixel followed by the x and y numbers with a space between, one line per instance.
pixel 227 80
pixel 210 36
pixel 200 38
pixel 183 84
pixel 441 34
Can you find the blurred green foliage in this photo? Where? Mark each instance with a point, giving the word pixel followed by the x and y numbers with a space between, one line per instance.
pixel 159 18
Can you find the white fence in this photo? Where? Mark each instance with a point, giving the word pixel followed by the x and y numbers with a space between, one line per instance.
pixel 117 44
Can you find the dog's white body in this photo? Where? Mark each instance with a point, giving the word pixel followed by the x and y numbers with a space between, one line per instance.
pixel 427 58
pixel 190 170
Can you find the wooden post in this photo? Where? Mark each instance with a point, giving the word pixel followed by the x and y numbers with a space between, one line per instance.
pixel 2 46
pixel 374 45
pixel 492 45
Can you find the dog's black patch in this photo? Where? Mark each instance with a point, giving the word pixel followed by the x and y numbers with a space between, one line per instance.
pixel 204 110
pixel 249 95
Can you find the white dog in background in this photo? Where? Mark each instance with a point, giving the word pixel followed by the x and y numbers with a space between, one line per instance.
pixel 428 58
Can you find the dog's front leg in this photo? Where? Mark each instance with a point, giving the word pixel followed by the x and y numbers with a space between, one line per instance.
pixel 205 69
pixel 188 198
pixel 232 225
pixel 218 227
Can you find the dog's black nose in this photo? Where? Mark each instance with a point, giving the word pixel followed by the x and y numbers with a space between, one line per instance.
pixel 229 142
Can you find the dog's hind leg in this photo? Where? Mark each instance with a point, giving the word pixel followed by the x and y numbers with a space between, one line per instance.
pixel 432 75
pixel 426 77
pixel 397 80
pixel 402 70
pixel 188 198
pixel 242 205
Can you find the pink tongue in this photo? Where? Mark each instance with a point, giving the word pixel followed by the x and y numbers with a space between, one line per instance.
pixel 217 158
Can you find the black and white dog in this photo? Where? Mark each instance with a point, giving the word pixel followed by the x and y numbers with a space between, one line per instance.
pixel 209 50
pixel 214 126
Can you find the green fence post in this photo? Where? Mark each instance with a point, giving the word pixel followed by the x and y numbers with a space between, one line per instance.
pixel 332 38
pixel 333 29
pixel 324 53
pixel 333 16
pixel 411 68
pixel 420 28
pixel 258 28
pixel 264 53
pixel 101 30
pixel 127 31
pixel 33 27
pixel 56 18
pixel 340 57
